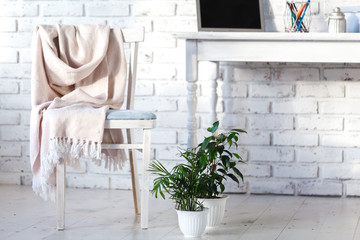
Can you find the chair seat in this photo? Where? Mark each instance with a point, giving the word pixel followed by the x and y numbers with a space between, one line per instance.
pixel 129 115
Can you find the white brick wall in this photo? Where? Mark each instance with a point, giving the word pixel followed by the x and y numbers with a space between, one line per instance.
pixel 320 123
pixel 266 186
pixel 272 154
pixel 294 138
pixel 296 171
pixel 303 120
pixel 320 155
pixel 320 188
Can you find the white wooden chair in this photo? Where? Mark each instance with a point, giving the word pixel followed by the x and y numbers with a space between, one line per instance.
pixel 128 119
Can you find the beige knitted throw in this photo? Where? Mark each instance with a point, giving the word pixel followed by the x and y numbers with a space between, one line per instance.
pixel 78 73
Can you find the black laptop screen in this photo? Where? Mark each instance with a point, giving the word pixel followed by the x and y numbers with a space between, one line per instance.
pixel 230 14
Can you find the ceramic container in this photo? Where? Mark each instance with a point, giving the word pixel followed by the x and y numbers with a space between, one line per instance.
pixel 337 22
pixel 216 210
pixel 192 223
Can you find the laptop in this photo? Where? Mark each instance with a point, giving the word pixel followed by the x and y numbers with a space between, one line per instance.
pixel 230 15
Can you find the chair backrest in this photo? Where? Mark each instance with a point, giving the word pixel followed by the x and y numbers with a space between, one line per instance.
pixel 132 36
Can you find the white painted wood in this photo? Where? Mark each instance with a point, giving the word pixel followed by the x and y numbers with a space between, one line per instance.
pixel 129 124
pixel 213 101
pixel 213 67
pixel 260 47
pixel 132 76
pixel 134 171
pixel 278 211
pixel 134 34
pixel 334 228
pixel 142 204
pixel 145 179
pixel 102 214
pixel 280 51
pixel 268 36
pixel 191 78
pixel 60 194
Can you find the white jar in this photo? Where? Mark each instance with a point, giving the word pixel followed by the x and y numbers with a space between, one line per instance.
pixel 337 22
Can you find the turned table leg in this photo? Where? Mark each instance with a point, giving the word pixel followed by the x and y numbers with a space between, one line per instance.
pixel 191 79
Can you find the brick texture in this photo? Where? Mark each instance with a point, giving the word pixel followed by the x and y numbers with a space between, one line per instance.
pixel 352 188
pixel 316 188
pixel 302 119
pixel 271 187
pixel 295 171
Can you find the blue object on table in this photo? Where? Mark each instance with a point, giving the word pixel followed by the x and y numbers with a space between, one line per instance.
pixel 352 22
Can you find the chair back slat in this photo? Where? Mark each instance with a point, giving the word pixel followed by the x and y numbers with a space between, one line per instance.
pixel 132 36
pixel 132 75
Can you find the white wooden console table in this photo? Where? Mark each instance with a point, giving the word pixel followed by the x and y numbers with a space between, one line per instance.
pixel 215 47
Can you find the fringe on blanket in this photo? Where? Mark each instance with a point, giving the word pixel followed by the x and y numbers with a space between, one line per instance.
pixel 70 151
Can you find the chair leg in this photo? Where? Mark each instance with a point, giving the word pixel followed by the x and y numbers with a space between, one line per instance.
pixel 145 179
pixel 134 172
pixel 60 194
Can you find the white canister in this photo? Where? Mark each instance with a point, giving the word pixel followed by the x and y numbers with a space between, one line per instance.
pixel 337 22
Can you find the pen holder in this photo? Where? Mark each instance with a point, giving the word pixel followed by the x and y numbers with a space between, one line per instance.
pixel 297 16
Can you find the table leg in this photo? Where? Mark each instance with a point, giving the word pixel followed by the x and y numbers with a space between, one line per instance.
pixel 209 71
pixel 213 70
pixel 191 79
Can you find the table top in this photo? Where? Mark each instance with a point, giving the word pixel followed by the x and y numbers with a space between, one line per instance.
pixel 268 36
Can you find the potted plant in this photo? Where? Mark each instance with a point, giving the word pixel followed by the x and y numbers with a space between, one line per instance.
pixel 219 162
pixel 198 183
pixel 183 183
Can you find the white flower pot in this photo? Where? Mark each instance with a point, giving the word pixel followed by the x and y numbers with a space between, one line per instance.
pixel 192 223
pixel 216 209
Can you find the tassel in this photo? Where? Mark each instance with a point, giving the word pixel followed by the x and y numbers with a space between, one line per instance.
pixel 70 150
pixel 86 149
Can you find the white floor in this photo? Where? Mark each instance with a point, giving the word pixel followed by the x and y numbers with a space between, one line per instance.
pixel 108 214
